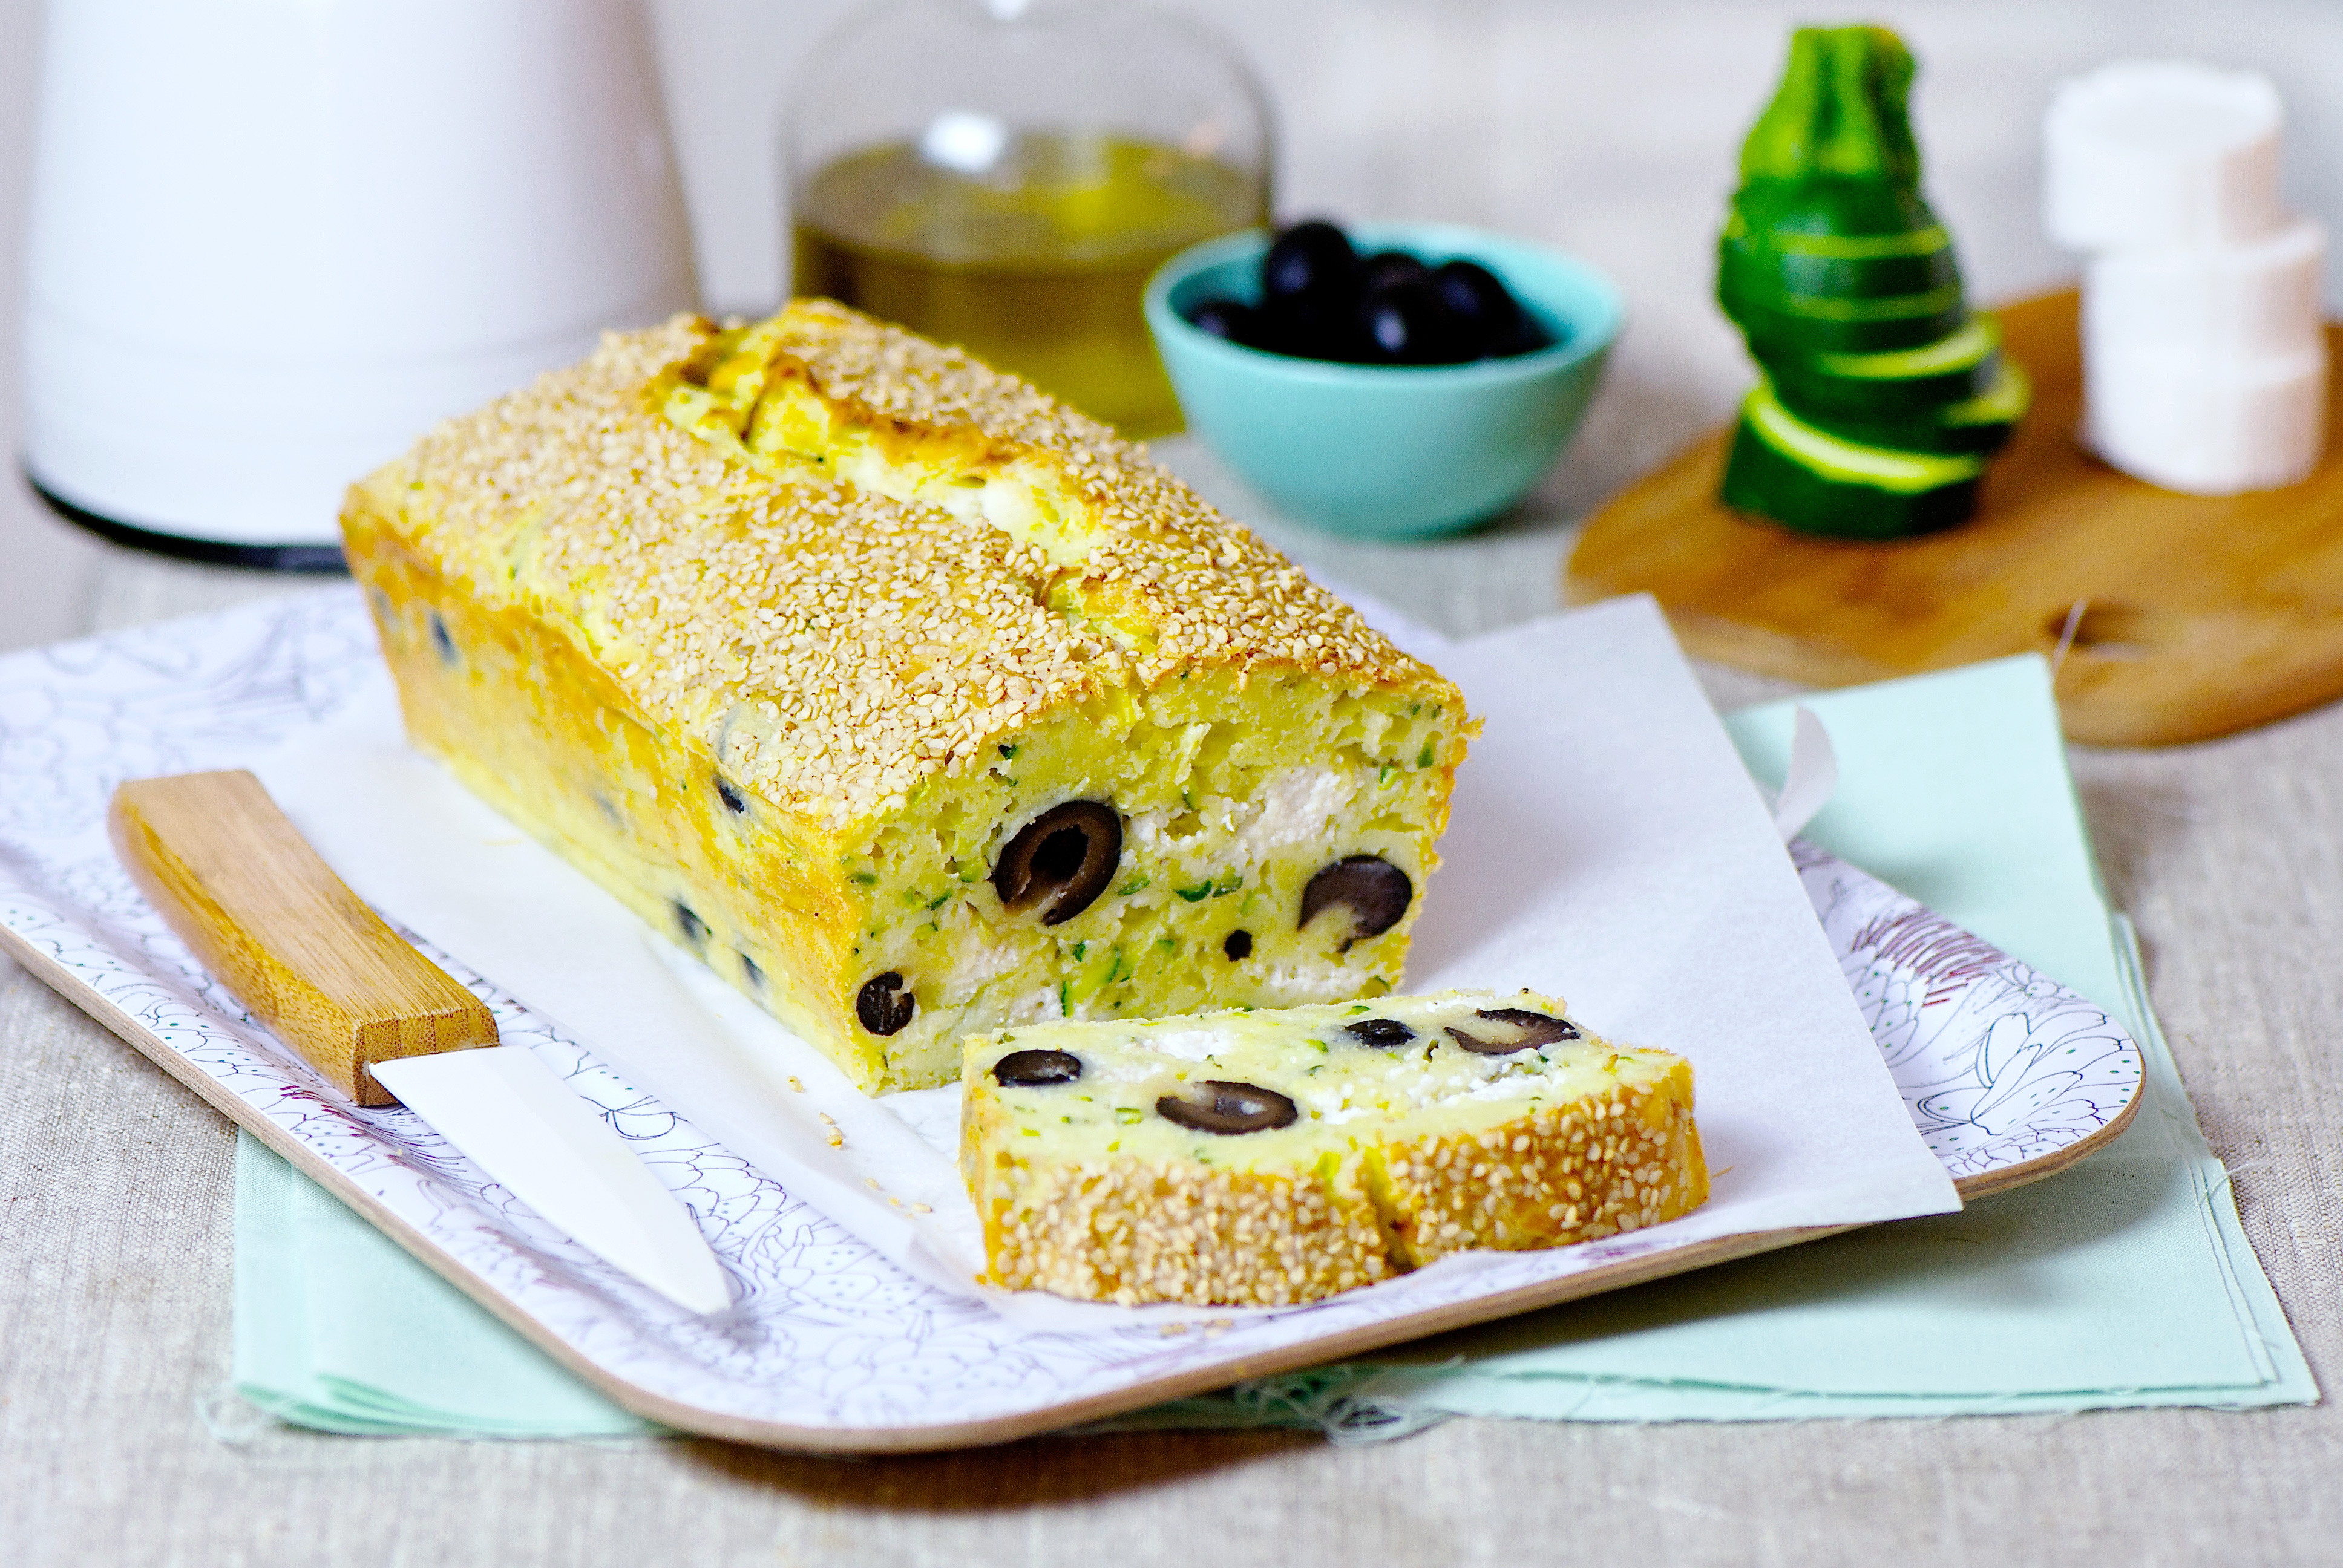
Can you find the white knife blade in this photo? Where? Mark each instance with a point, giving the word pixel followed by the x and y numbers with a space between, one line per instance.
pixel 510 1116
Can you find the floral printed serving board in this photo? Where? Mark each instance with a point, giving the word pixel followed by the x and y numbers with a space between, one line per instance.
pixel 2007 1076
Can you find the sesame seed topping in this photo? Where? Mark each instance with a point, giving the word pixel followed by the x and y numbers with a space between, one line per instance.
pixel 837 641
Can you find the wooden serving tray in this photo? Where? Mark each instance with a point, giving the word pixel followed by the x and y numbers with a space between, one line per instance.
pixel 2172 618
pixel 831 1346
pixel 422 1193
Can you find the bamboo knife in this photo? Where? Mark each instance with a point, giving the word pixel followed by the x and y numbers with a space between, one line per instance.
pixel 384 1025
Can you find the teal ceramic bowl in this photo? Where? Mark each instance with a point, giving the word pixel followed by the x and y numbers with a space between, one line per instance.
pixel 1388 452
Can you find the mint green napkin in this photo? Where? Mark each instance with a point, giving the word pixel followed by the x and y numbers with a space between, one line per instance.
pixel 337 1328
pixel 2122 1281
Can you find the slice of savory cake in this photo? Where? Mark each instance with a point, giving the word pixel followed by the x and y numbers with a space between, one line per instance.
pixel 915 702
pixel 1263 1158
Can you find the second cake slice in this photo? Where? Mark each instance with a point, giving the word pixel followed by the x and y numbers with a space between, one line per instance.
pixel 1265 1158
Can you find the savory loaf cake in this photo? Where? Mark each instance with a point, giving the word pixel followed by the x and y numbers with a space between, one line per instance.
pixel 1262 1158
pixel 915 702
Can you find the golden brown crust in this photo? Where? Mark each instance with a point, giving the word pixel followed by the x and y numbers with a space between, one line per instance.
pixel 1568 1174
pixel 832 647
pixel 1132 1231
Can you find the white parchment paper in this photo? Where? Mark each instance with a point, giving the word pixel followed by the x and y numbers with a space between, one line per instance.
pixel 1605 845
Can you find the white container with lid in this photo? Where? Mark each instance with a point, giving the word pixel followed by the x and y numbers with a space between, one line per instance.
pixel 2205 359
pixel 2206 427
pixel 273 242
pixel 2254 297
pixel 2152 153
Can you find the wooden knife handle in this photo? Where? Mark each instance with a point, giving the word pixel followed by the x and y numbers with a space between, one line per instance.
pixel 251 898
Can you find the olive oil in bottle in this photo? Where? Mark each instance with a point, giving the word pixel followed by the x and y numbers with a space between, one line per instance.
pixel 1031 250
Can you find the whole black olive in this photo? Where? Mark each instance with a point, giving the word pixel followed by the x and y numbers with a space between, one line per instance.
pixel 1313 258
pixel 1408 323
pixel 1527 338
pixel 1376 892
pixel 1036 1069
pixel 1485 312
pixel 1389 266
pixel 1231 320
pixel 1214 1106
pixel 1060 861
pixel 1534 1029
pixel 885 1003
pixel 1309 291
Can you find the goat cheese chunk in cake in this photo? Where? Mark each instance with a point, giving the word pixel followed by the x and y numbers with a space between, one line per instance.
pixel 913 701
pixel 1262 1158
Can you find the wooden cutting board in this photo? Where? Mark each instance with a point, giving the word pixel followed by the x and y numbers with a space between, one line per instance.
pixel 2181 617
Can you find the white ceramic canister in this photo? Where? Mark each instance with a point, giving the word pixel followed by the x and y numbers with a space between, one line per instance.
pixel 2206 425
pixel 2246 299
pixel 273 241
pixel 2155 153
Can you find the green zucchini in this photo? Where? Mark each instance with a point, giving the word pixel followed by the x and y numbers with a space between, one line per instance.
pixel 1956 368
pixel 1823 324
pixel 1833 237
pixel 1883 395
pixel 1789 271
pixel 1842 110
pixel 1978 424
pixel 1790 473
pixel 1829 247
pixel 1857 217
